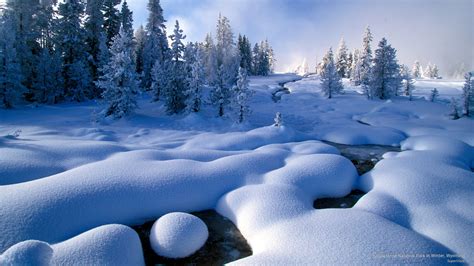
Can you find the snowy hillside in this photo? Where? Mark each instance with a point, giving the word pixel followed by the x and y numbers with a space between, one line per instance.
pixel 70 187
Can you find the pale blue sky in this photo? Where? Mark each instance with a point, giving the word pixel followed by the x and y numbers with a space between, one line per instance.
pixel 440 31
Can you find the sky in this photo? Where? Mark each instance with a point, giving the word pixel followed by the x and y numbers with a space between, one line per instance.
pixel 436 31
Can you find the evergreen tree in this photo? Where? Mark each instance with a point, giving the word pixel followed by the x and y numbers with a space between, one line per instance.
pixel 161 76
pixel 278 120
pixel 350 57
pixel 434 95
pixel 119 81
pixel 96 40
pixel 355 68
pixel 49 80
pixel 365 61
pixel 256 60
pixel 416 70
pixel 242 95
pixel 156 43
pixel 431 71
pixel 407 81
pixel 175 100
pixel 111 19
pixel 342 60
pixel 11 87
pixel 227 63
pixel 468 94
pixel 269 56
pixel 27 32
pixel 210 54
pixel 220 94
pixel 330 79
pixel 454 109
pixel 245 51
pixel 140 36
pixel 126 19
pixel 385 79
pixel 72 39
pixel 195 81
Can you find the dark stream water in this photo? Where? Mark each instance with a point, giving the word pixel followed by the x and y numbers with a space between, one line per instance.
pixel 364 158
pixel 225 243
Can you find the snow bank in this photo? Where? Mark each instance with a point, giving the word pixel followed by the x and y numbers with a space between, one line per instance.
pixel 442 145
pixel 242 140
pixel 106 245
pixel 427 189
pixel 24 160
pixel 178 235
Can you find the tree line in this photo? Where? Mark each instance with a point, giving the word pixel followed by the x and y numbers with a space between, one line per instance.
pixel 77 50
pixel 379 73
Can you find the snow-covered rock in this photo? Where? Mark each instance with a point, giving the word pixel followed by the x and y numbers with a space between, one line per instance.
pixel 112 244
pixel 178 235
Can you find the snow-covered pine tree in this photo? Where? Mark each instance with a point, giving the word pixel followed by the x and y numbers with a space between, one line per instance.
pixel 385 78
pixel 355 68
pixel 156 43
pixel 47 86
pixel 195 81
pixel 341 59
pixel 126 22
pixel 256 59
pixel 228 64
pixel 264 60
pixel 365 62
pixel 431 71
pixel 140 36
pixel 48 81
pixel 11 76
pixel 161 76
pixel 434 95
pixel 119 81
pixel 245 52
pixel 220 94
pixel 407 81
pixel 126 19
pixel 330 79
pixel 467 94
pixel 454 109
pixel 175 98
pixel 350 57
pixel 210 63
pixel 71 39
pixel 96 40
pixel 270 56
pixel 27 32
pixel 434 71
pixel 416 70
pixel 111 19
pixel 242 95
pixel 278 120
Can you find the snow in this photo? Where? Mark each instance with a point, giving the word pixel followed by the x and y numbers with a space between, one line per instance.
pixel 70 187
pixel 178 235
pixel 111 244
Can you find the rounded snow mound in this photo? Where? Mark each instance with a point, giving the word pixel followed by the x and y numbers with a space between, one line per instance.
pixel 178 235
pixel 30 252
pixel 442 145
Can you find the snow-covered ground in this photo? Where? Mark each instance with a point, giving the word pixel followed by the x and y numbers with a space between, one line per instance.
pixel 69 185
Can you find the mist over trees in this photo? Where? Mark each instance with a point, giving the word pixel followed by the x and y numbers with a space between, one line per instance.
pixel 378 73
